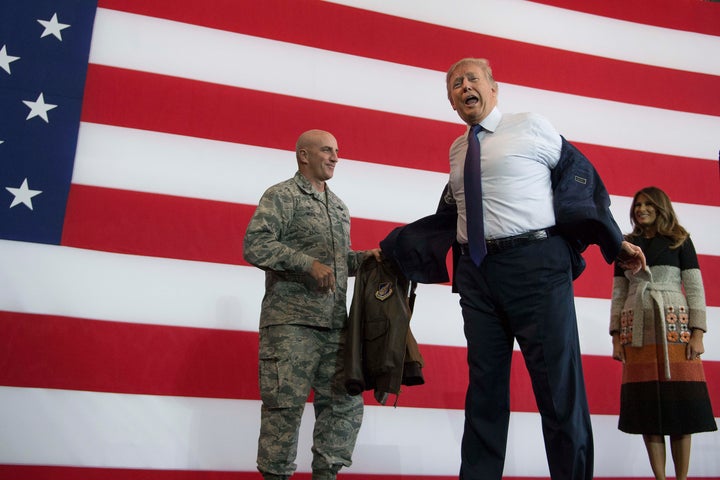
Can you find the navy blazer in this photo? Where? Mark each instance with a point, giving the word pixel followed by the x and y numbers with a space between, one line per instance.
pixel 582 214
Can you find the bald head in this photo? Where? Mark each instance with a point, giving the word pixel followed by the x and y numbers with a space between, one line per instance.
pixel 316 152
pixel 312 138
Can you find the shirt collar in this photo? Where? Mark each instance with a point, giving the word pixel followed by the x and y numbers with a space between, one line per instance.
pixel 491 122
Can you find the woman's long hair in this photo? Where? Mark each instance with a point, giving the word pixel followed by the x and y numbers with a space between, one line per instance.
pixel 666 222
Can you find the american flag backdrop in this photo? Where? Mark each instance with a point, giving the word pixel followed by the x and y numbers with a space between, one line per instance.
pixel 136 138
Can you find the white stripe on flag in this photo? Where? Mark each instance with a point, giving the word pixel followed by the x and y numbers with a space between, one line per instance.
pixel 64 427
pixel 65 281
pixel 144 161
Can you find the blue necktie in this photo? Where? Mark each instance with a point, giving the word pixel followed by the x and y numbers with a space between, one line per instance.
pixel 473 198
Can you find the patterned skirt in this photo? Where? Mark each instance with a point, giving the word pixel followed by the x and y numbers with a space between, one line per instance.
pixel 651 403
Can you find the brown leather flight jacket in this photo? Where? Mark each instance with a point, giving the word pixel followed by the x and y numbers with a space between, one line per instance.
pixel 381 353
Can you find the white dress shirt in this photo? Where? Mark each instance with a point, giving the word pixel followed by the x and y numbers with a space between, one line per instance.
pixel 517 152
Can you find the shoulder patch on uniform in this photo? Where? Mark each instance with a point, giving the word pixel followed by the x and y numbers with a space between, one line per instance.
pixel 384 291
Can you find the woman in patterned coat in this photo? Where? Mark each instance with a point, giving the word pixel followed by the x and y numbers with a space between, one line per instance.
pixel 657 331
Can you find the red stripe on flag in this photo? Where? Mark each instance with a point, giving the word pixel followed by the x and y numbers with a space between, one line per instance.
pixel 161 103
pixel 691 15
pixel 687 180
pixel 112 357
pixel 424 45
pixel 32 472
pixel 105 356
pixel 121 221
pixel 42 472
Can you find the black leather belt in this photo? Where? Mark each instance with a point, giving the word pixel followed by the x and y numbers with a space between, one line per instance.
pixel 498 245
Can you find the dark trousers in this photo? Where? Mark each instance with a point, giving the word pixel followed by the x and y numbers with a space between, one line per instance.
pixel 524 293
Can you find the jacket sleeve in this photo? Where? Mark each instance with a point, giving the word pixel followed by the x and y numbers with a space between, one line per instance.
pixel 354 374
pixel 693 285
pixel 582 204
pixel 414 362
pixel 620 288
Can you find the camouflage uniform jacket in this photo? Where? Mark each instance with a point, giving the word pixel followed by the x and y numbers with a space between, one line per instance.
pixel 293 225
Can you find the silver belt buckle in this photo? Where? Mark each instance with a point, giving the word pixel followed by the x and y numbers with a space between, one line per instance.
pixel 540 234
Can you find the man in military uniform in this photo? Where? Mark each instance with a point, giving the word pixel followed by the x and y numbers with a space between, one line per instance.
pixel 300 236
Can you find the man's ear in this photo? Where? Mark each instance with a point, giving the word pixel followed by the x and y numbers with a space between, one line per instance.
pixel 302 155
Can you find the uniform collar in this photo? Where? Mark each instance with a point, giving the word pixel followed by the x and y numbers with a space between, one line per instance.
pixel 308 188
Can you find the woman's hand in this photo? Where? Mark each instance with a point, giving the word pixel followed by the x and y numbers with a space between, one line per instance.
pixel 618 348
pixel 695 346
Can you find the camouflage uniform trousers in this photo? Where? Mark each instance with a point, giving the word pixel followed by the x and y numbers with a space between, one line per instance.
pixel 295 359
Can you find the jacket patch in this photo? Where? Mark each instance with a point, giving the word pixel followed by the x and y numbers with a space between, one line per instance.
pixel 580 179
pixel 384 291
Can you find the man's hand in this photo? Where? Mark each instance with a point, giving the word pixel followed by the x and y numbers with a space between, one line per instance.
pixel 377 253
pixel 323 275
pixel 631 257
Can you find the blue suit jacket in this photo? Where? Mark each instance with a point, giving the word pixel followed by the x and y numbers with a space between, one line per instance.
pixel 582 214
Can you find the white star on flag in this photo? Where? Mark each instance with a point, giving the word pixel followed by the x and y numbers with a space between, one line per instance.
pixel 5 59
pixel 23 194
pixel 39 108
pixel 53 27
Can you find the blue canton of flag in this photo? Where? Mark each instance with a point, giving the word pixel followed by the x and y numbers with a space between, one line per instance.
pixel 44 49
